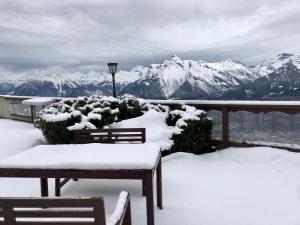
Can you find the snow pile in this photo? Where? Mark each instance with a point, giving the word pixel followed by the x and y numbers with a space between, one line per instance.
pixel 117 214
pixel 157 131
pixel 17 136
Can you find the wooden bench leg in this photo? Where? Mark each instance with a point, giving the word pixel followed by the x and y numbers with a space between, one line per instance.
pixel 149 198
pixel 144 187
pixel 57 187
pixel 44 187
pixel 127 217
pixel 159 185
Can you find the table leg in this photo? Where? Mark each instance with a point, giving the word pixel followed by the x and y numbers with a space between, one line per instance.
pixel 149 198
pixel 159 185
pixel 144 187
pixel 57 187
pixel 44 187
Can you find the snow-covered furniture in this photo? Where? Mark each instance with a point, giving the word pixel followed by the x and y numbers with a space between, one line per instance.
pixel 71 211
pixel 37 102
pixel 110 135
pixel 92 161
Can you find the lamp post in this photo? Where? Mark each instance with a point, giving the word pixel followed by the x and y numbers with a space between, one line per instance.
pixel 113 69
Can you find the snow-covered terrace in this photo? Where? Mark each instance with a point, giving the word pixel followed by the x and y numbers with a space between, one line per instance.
pixel 235 186
pixel 236 123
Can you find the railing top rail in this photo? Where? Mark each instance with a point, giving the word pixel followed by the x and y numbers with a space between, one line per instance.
pixel 228 102
pixel 208 104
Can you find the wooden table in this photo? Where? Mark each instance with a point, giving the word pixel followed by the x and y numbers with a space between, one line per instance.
pixel 92 161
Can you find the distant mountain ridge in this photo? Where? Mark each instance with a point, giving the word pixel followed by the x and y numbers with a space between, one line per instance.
pixel 276 78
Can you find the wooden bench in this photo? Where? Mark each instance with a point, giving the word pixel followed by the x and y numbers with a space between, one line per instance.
pixel 111 135
pixel 63 211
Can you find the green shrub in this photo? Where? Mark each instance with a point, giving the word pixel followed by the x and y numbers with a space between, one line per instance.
pixel 195 137
pixel 194 130
pixel 57 132
pixel 191 127
pixel 58 120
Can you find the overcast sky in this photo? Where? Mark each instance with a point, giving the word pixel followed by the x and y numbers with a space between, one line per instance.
pixel 83 35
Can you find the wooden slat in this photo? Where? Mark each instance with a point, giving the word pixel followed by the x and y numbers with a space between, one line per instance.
pixel 54 223
pixel 8 215
pixel 106 136
pixel 98 210
pixel 54 213
pixel 46 202
pixel 126 135
pixel 112 135
pixel 111 130
pixel 86 141
pixel 14 213
pixel 127 139
pixel 82 136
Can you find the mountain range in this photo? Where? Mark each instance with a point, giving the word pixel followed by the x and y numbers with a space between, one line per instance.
pixel 274 79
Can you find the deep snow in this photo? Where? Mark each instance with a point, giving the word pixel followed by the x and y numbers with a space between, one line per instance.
pixel 236 186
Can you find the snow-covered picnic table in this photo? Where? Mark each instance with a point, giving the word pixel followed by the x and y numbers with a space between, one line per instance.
pixel 96 161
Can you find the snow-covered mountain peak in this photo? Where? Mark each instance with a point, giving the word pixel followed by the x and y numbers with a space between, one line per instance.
pixel 283 56
pixel 175 58
pixel 273 64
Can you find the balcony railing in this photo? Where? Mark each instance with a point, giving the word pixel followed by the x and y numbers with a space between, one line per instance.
pixel 251 123
pixel 236 123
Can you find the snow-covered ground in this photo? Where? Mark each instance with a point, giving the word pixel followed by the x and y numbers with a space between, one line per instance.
pixel 236 186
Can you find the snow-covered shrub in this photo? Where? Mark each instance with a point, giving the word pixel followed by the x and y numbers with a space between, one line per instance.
pixel 181 128
pixel 58 120
pixel 192 131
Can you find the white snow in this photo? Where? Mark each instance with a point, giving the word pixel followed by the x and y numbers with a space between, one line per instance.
pixel 38 101
pixel 15 137
pixel 236 186
pixel 116 216
pixel 217 102
pixel 190 113
pixel 209 77
pixel 272 64
pixel 60 116
pixel 86 156
pixel 82 125
pixel 156 129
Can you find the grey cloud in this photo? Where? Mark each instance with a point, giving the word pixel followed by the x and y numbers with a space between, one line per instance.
pixel 82 35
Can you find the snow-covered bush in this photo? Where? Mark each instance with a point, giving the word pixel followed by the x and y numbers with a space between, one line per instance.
pixel 182 129
pixel 192 130
pixel 58 120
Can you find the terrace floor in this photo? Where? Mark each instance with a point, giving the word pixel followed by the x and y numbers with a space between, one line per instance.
pixel 249 186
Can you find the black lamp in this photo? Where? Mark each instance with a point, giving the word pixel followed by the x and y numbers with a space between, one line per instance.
pixel 113 69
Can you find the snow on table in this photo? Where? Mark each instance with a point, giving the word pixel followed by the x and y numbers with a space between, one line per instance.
pixel 86 157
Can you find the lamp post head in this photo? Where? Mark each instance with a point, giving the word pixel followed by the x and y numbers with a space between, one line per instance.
pixel 112 68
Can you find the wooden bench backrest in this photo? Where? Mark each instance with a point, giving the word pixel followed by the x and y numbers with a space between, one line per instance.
pixel 33 211
pixel 111 135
